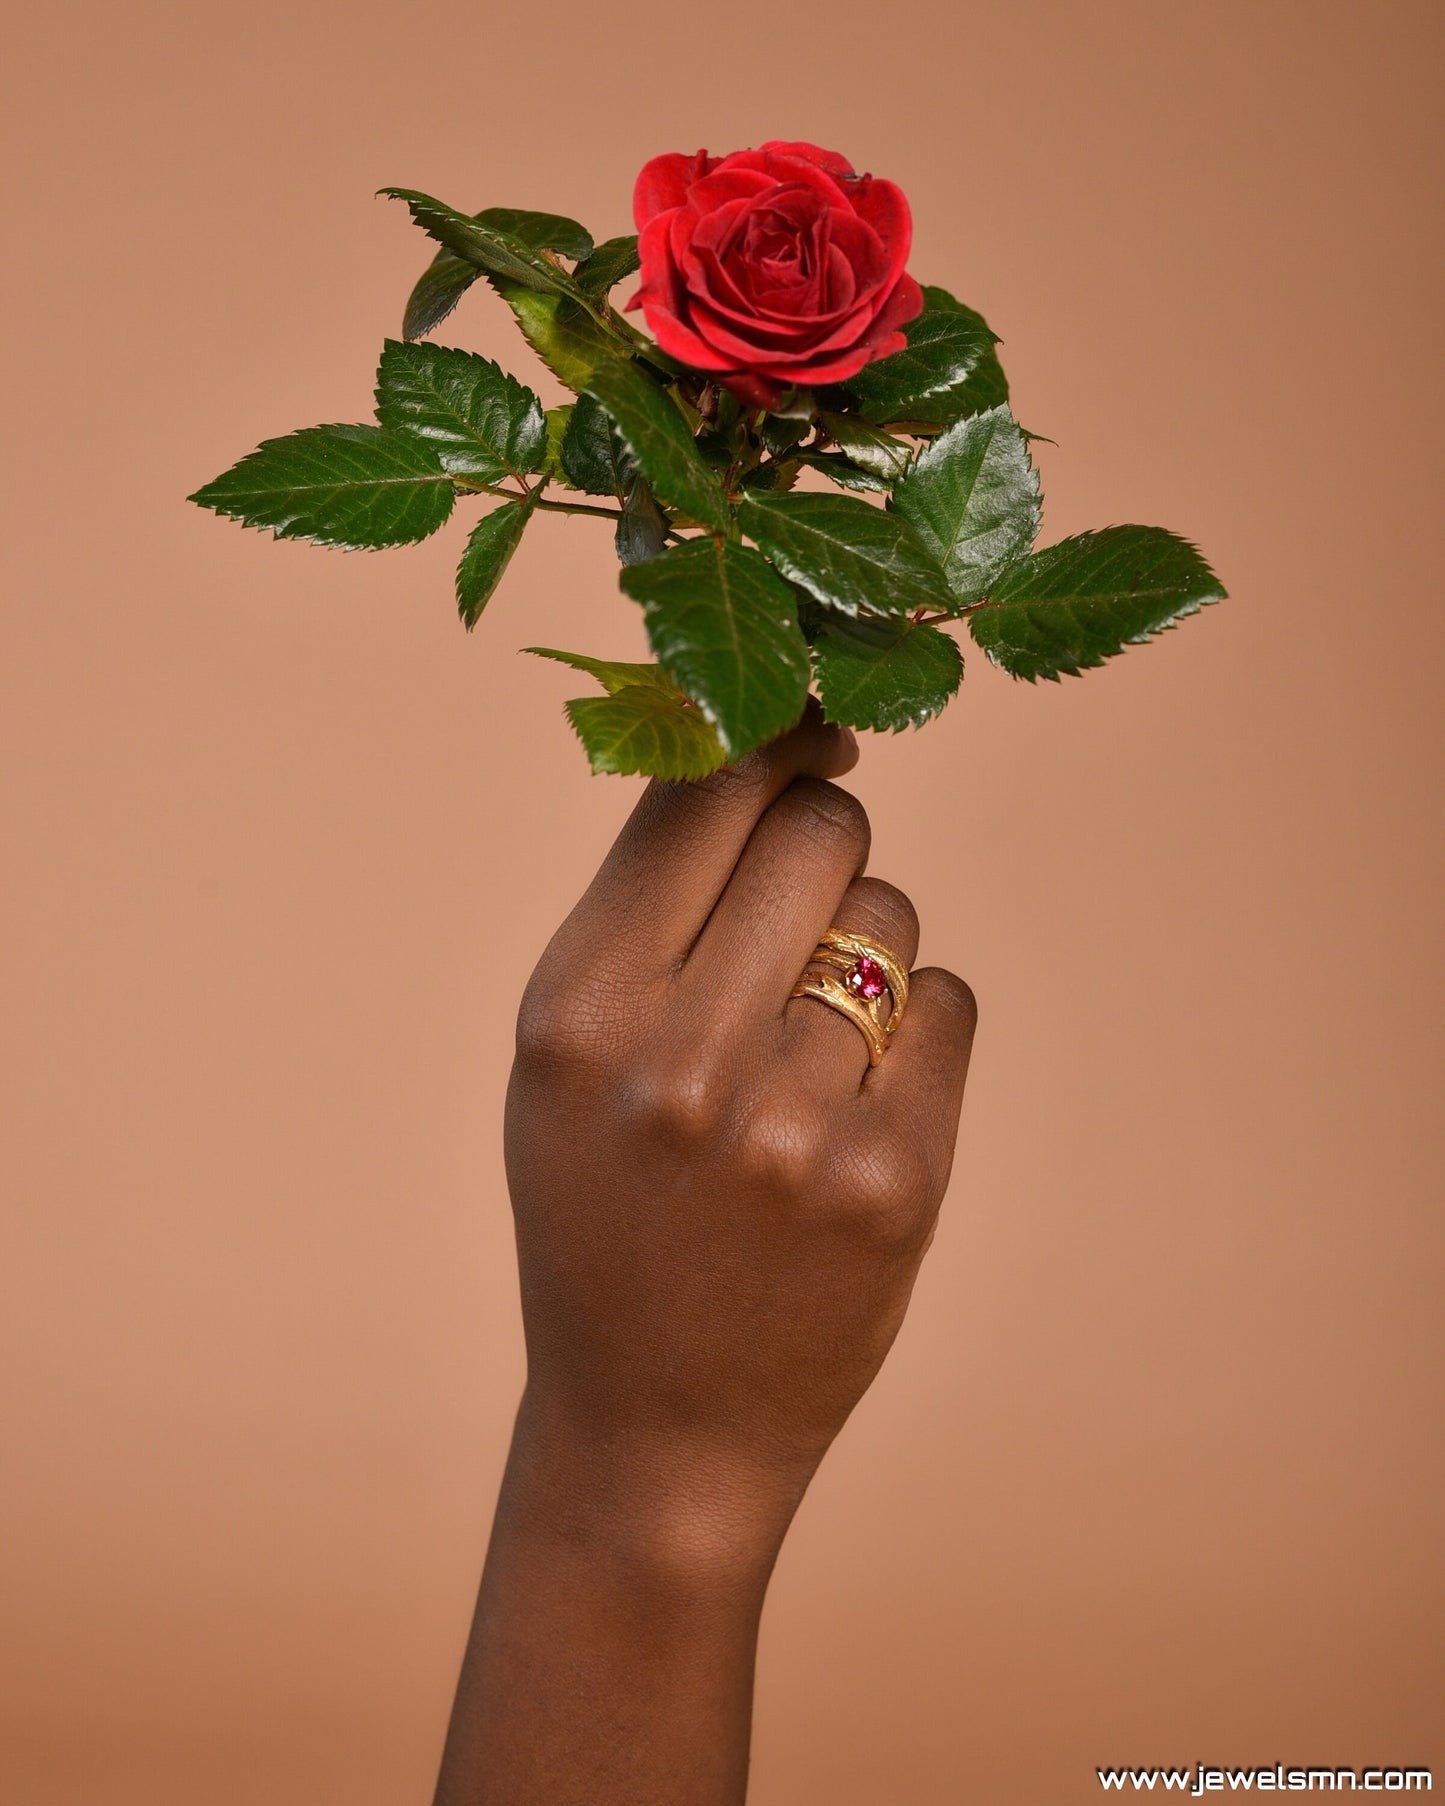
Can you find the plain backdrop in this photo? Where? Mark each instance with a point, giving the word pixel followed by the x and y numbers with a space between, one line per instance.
pixel 1154 1473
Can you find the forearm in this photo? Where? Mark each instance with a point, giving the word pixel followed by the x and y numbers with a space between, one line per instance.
pixel 611 1655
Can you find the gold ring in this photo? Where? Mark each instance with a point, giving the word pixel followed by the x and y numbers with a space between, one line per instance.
pixel 868 971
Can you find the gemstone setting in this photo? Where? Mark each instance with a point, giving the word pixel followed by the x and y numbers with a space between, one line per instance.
pixel 867 979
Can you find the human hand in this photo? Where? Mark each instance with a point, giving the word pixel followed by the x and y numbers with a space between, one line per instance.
pixel 720 1208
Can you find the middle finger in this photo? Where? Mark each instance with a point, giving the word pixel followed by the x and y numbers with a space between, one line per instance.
pixel 800 859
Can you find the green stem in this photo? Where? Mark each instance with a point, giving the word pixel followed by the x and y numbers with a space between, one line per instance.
pixel 578 508
pixel 921 618
pixel 536 501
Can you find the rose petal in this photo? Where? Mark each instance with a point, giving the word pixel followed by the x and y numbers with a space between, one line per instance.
pixel 659 273
pixel 865 250
pixel 746 295
pixel 781 169
pixel 768 326
pixel 716 231
pixel 757 391
pixel 884 207
pixel 783 331
pixel 663 298
pixel 832 161
pixel 678 339
pixel 879 348
pixel 904 304
pixel 835 368
pixel 663 182
pixel 840 280
pixel 748 345
pixel 795 205
pixel 723 185
pixel 782 250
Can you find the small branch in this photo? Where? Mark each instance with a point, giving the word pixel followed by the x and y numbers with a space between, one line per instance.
pixel 535 500
pixel 579 508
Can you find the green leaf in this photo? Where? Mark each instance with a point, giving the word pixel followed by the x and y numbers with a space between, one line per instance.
pixel 948 369
pixel 880 675
pixel 488 248
pixel 797 404
pixel 642 529
pixel 645 729
pixel 550 465
pixel 843 472
pixel 985 386
pixel 448 277
pixel 347 486
pixel 724 624
pixel 565 336
pixel 846 552
pixel 610 673
pixel 657 436
pixel 973 495
pixel 773 476
pixel 439 287
pixel 943 348
pixel 489 551
pixel 541 231
pixel 780 435
pixel 1079 602
pixel 866 446
pixel 716 451
pixel 593 457
pixel 479 421
pixel 612 262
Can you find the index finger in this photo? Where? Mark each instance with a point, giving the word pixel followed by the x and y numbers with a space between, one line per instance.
pixel 673 858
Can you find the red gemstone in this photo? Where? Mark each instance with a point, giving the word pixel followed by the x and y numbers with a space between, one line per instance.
pixel 866 979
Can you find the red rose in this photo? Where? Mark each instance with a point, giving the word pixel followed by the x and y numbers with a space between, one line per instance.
pixel 772 267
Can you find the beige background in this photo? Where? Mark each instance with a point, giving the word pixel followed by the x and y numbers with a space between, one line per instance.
pixel 1155 1471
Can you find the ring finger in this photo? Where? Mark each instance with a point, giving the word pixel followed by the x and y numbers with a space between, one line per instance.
pixel 822 1035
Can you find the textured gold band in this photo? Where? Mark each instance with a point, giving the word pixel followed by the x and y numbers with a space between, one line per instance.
pixel 850 954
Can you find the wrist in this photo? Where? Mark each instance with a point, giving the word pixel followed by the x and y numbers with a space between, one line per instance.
pixel 677 1510
pixel 612 1651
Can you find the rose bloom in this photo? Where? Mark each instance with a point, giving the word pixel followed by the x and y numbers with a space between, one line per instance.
pixel 773 267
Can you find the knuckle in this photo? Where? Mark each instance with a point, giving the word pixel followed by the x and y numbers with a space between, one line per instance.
pixel 888 910
pixel 544 1024
pixel 556 1028
pixel 577 1016
pixel 726 788
pixel 677 1104
pixel 779 1148
pixel 948 992
pixel 885 1193
pixel 683 811
pixel 898 1176
pixel 829 816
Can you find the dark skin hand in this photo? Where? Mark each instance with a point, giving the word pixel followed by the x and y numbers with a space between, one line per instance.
pixel 720 1213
